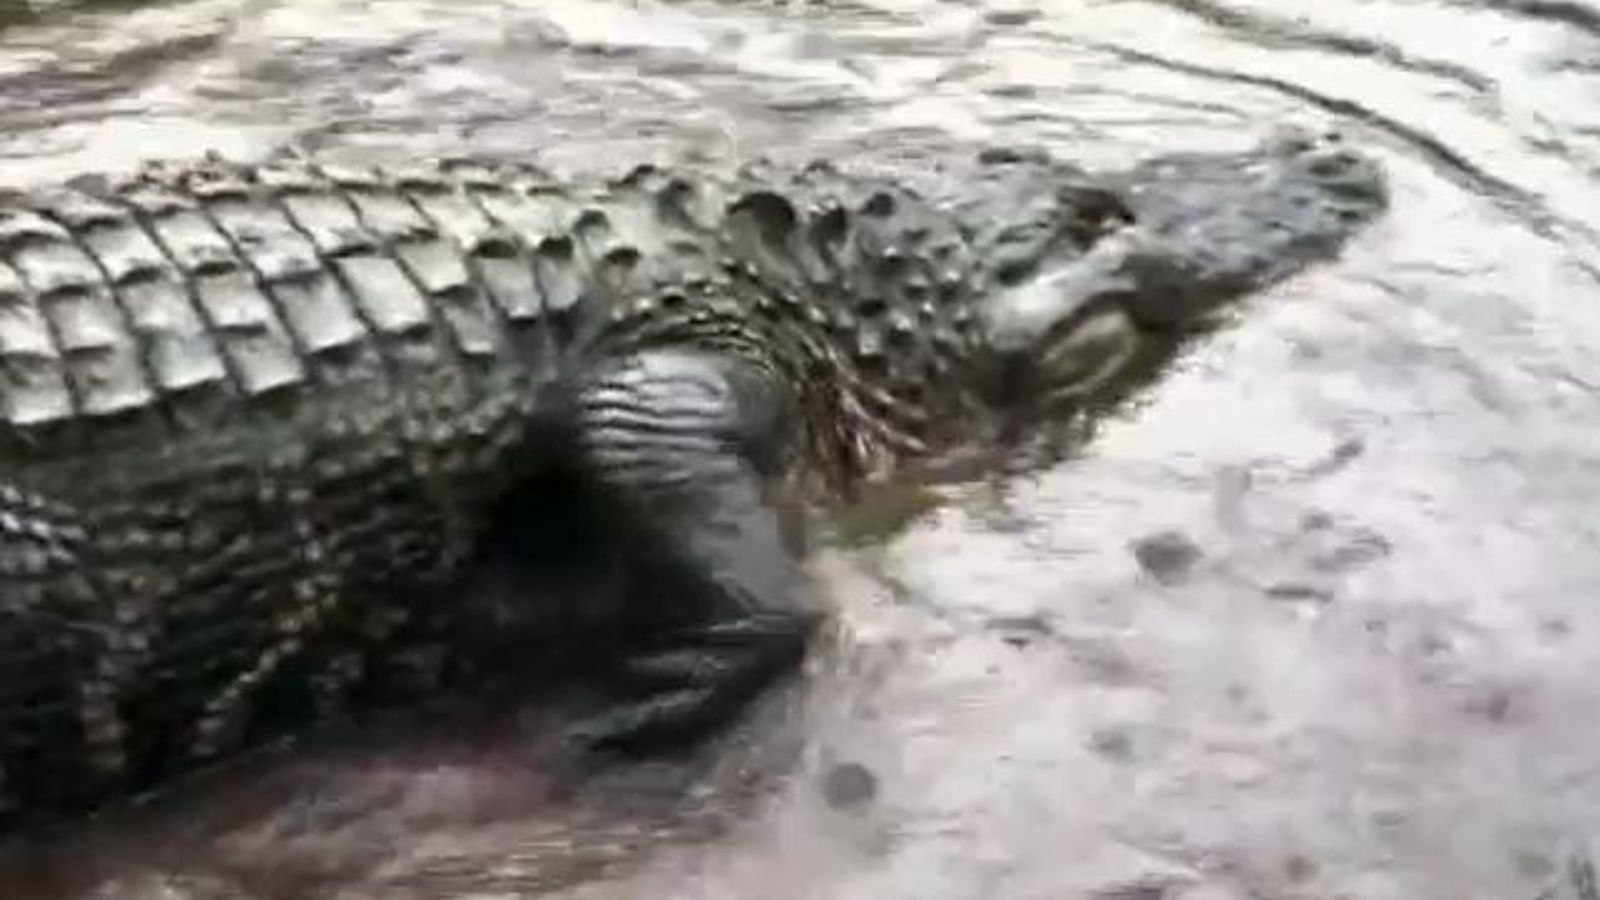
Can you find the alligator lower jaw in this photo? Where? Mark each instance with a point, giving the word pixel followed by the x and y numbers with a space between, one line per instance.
pixel 1099 348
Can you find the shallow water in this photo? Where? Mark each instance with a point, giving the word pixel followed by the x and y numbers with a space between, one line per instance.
pixel 1371 679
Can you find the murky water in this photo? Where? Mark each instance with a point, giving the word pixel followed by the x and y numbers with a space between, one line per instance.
pixel 1364 665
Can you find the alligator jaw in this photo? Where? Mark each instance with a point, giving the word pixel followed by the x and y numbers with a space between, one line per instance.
pixel 1206 230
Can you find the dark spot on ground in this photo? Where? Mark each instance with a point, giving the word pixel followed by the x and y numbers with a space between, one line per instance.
pixel 1017 16
pixel 1167 556
pixel 1299 868
pixel 1136 890
pixel 1299 592
pixel 1362 547
pixel 1112 744
pixel 1020 631
pixel 849 784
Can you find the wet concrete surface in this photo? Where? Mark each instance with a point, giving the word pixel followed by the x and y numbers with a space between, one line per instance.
pixel 1312 618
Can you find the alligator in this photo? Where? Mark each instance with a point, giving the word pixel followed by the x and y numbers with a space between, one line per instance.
pixel 259 420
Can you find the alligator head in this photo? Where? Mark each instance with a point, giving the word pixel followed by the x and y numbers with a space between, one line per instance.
pixel 1095 274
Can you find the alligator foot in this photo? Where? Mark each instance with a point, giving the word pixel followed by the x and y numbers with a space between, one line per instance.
pixel 704 678
pixel 685 444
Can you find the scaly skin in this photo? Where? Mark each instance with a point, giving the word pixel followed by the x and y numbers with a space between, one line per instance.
pixel 256 422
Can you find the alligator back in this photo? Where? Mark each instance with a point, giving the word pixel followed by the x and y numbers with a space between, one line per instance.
pixel 240 410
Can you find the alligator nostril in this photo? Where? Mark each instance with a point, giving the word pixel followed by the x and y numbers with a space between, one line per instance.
pixel 1333 164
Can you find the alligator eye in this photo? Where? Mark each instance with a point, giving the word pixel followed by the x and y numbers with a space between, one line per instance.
pixel 1012 272
pixel 1096 214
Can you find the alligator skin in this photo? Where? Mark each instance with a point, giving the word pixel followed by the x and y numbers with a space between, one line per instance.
pixel 257 421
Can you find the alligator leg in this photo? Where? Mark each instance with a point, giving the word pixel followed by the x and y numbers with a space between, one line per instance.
pixel 687 443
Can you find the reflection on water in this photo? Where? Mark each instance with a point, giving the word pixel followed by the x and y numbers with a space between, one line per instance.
pixel 1369 674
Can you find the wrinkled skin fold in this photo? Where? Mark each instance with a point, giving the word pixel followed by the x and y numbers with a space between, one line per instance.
pixel 260 423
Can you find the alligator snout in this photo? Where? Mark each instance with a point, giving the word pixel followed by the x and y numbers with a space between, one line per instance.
pixel 1206 229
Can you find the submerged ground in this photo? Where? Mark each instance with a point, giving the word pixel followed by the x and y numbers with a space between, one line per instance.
pixel 1314 619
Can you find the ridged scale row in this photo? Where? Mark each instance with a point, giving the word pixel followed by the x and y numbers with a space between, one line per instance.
pixel 182 281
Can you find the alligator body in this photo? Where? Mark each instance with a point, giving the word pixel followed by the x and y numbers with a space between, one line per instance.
pixel 256 420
